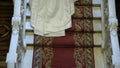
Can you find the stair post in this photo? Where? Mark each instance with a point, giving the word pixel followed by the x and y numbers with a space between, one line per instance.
pixel 113 23
pixel 11 58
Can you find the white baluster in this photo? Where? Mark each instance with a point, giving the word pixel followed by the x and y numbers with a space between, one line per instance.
pixel 113 23
pixel 16 19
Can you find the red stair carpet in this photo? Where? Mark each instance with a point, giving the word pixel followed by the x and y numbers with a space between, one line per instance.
pixel 75 50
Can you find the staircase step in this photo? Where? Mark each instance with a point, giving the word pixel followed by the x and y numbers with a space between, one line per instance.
pixel 96 12
pixel 28 26
pixel 94 2
pixel 86 2
pixel 96 24
pixel 99 59
pixel 28 12
pixel 30 38
pixel 97 39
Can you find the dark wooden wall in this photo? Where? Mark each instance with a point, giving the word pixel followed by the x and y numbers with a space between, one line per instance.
pixel 118 16
pixel 118 9
pixel 6 12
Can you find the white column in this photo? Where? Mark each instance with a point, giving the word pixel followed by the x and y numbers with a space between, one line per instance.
pixel 16 19
pixel 113 23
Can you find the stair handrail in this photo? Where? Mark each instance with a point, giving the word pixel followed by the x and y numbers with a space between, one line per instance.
pixel 106 47
pixel 17 43
pixel 113 24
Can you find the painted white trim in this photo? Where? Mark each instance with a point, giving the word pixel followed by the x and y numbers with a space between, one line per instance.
pixel 11 58
pixel 113 23
pixel 27 60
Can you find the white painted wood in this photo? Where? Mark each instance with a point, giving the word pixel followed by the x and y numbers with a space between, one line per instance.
pixel 97 25
pixel 23 22
pixel 96 1
pixel 28 58
pixel 97 38
pixel 10 65
pixel 28 26
pixel 30 39
pixel 17 4
pixel 12 49
pixel 16 20
pixel 97 12
pixel 27 1
pixel 28 13
pixel 103 24
pixel 99 59
pixel 113 23
pixel 112 10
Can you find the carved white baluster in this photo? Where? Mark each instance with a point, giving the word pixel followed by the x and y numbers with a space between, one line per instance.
pixel 113 23
pixel 16 19
pixel 24 23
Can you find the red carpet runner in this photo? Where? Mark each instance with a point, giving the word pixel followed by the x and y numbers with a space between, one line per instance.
pixel 75 50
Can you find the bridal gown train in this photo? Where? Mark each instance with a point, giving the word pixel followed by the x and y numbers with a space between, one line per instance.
pixel 50 18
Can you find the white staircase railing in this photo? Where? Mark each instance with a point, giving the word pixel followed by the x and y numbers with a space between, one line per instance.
pixel 18 39
pixel 17 48
pixel 106 47
pixel 111 44
pixel 113 23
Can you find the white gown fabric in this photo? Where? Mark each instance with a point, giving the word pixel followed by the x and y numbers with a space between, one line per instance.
pixel 50 18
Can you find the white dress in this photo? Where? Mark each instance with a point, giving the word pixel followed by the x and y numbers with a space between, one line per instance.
pixel 50 18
